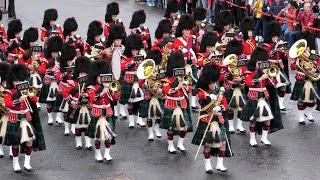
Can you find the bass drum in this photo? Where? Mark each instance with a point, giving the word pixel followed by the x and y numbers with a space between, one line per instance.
pixel 116 64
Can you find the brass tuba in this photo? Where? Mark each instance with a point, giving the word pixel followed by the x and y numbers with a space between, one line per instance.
pixel 232 62
pixel 304 63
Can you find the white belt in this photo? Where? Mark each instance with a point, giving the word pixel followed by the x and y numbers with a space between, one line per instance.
pixel 101 106
pixel 19 112
pixel 258 89
pixel 175 98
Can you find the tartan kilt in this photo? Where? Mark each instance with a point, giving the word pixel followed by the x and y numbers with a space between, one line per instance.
pixel 125 92
pixel 249 109
pixel 228 94
pixel 92 126
pixel 144 108
pixel 72 115
pixel 166 122
pixel 297 90
pixel 44 93
pixel 57 103
pixel 13 135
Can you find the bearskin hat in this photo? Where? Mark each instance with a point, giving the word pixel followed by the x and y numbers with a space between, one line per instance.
pixel 97 67
pixel 138 17
pixel 172 7
pixel 199 14
pixel 14 27
pixel 132 42
pixel 82 64
pixel 259 54
pixel 175 60
pixel 68 53
pixel 17 72
pixel 4 68
pixel 186 22
pixel 30 35
pixel 69 26
pixel 234 47
pixel 54 44
pixel 272 29
pixel 164 26
pixel 95 29
pixel 156 55
pixel 117 31
pixel 247 24
pixel 210 73
pixel 112 9
pixel 208 39
pixel 49 15
pixel 222 19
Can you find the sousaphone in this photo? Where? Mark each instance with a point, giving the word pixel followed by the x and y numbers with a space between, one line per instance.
pixel 146 69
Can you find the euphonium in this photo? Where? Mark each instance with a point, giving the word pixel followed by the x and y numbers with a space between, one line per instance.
pixel 32 91
pixel 272 71
pixel 114 86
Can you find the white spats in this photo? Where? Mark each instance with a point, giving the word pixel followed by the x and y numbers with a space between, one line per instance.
pixel 264 138
pixel 66 128
pixel 140 122
pixel 123 110
pixel 107 154
pixel 180 145
pixel 281 105
pixel 116 110
pixel 73 128
pixel 239 126
pixel 59 117
pixel 171 148
pixel 157 130
pixel 16 165
pixel 98 155
pixel 78 142
pixel 193 101
pixel 151 134
pixel 220 166
pixel 88 142
pixel 50 119
pixel 207 165
pixel 231 126
pixel 253 141
pixel 27 165
pixel 301 117
pixel 131 121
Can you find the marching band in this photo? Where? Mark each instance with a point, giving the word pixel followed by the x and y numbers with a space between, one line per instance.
pixel 221 73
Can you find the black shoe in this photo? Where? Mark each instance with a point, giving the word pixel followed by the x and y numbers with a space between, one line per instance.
pixel 1 156
pixel 124 117
pixel 108 161
pixel 242 132
pixel 195 108
pixel 283 110
pixel 209 171
pixel 28 170
pixel 18 171
pixel 265 144
pixel 183 151
pixel 66 134
pixel 158 137
pixel 256 145
pixel 173 152
pixel 11 157
pixel 50 124
pixel 311 120
pixel 131 127
pixel 150 140
pixel 79 147
pixel 90 148
pixel 231 132
pixel 302 123
pixel 100 161
pixel 226 170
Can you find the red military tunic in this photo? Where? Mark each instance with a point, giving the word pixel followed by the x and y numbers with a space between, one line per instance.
pixel 276 58
pixel 144 34
pixel 185 46
pixel 129 74
pixel 44 32
pixel 248 46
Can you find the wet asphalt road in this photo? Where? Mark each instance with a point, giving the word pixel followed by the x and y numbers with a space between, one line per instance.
pixel 294 153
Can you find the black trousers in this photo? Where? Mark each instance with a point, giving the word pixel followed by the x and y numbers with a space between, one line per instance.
pixel 11 9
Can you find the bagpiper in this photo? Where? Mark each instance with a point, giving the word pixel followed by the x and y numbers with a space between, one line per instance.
pixel 137 27
pixel 234 84
pixel 20 132
pixel 111 17
pixel 211 131
pixel 50 70
pixel 131 92
pixel 50 26
pixel 100 97
pixel 277 57
pixel 79 113
pixel 14 39
pixel 3 111
pixel 176 115
pixel 258 110
pixel 66 84
pixel 71 36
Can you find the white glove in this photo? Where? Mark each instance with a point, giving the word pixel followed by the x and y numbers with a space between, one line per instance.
pixel 216 109
pixel 213 97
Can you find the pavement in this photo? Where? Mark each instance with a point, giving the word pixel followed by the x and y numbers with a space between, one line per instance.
pixel 294 154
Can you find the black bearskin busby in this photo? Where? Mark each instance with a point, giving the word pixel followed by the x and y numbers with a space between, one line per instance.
pixel 247 24
pixel 14 27
pixel 172 7
pixel 175 60
pixel 112 9
pixel 68 53
pixel 210 73
pixel 30 35
pixel 208 39
pixel 234 47
pixel 138 18
pixel 186 22
pixel 164 26
pixel 69 26
pixel 132 42
pixel 95 29
pixel 4 68
pixel 49 15
pixel 82 64
pixel 17 72
pixel 117 31
pixel 222 19
pixel 156 55
pixel 97 67
pixel 259 54
pixel 272 29
pixel 54 44
pixel 199 14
